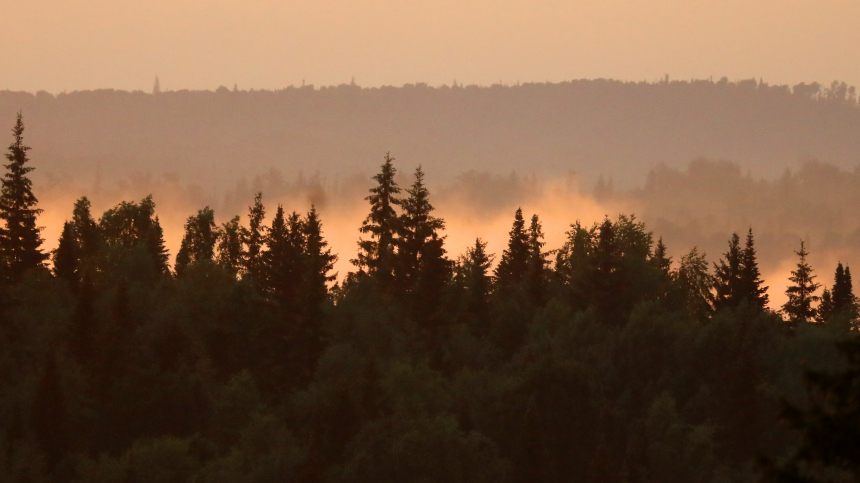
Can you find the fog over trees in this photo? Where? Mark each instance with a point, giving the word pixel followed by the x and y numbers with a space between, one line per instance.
pixel 229 301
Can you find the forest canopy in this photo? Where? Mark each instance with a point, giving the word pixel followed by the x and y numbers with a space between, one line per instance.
pixel 243 358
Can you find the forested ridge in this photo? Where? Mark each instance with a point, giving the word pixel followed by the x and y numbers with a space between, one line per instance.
pixel 600 126
pixel 243 357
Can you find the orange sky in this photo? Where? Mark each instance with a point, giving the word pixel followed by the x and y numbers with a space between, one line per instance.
pixel 59 45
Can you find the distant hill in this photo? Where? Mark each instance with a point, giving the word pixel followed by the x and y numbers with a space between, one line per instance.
pixel 619 129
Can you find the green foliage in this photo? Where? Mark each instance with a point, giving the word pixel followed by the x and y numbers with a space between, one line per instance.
pixel 376 255
pixel 198 244
pixel 801 295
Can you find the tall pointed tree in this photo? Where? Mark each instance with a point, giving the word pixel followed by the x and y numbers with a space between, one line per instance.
pixel 536 274
pixel 21 240
pixel 231 250
pixel 418 226
pixel 81 240
pixel 282 259
pixel 728 276
pixel 751 285
pixel 843 291
pixel 513 265
pixel 255 238
pixel 319 260
pixel 377 254
pixel 801 295
pixel 476 277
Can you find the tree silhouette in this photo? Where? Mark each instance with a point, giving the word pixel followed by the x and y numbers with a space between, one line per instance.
pixel 417 227
pixel 801 295
pixel 255 238
pixel 513 265
pixel 537 264
pixel 231 250
pixel 130 225
pixel 21 240
pixel 377 255
pixel 751 284
pixel 728 282
pixel 199 241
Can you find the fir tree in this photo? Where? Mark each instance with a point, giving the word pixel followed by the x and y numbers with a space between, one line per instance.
pixel 728 276
pixel 65 256
pixel 199 241
pixel 801 295
pixel 255 238
pixel 417 227
pixel 843 292
pixel 231 250
pixel 513 265
pixel 537 262
pixel 377 254
pixel 476 276
pixel 319 259
pixel 751 284
pixel 80 241
pixel 283 258
pixel 21 240
pixel 825 308
pixel 604 275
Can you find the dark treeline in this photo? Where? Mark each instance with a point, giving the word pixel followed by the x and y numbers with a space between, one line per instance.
pixel 590 126
pixel 600 360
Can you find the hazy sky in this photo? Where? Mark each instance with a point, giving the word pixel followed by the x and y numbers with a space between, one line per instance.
pixel 59 45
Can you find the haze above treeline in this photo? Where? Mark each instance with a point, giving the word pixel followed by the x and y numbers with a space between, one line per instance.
pixel 591 127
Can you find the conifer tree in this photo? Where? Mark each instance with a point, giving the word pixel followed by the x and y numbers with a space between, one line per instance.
pixel 604 274
pixel 21 240
pixel 728 276
pixel 537 262
pixel 572 264
pixel 282 259
pixel 319 260
pixel 377 254
pixel 801 295
pixel 843 292
pixel 231 250
pixel 83 326
pixel 513 265
pixel 662 264
pixel 751 284
pixel 65 256
pixel 199 241
pixel 255 238
pixel 825 308
pixel 476 276
pixel 81 240
pixel 417 227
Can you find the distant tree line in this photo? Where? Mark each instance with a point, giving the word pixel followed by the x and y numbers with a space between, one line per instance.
pixel 249 360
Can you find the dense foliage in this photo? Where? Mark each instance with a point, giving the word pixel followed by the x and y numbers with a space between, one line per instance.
pixel 596 361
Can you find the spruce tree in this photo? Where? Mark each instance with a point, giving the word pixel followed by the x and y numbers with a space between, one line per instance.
pixel 662 264
pixel 65 256
pixel 80 241
pixel 417 227
pixel 231 250
pixel 377 254
pixel 476 277
pixel 255 239
pixel 513 265
pixel 21 240
pixel 199 241
pixel 751 284
pixel 801 295
pixel 537 263
pixel 604 274
pixel 843 292
pixel 282 259
pixel 728 276
pixel 825 308
pixel 319 260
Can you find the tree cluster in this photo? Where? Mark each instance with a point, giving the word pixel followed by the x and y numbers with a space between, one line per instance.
pixel 598 361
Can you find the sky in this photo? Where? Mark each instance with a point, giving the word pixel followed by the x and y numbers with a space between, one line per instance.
pixel 62 45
